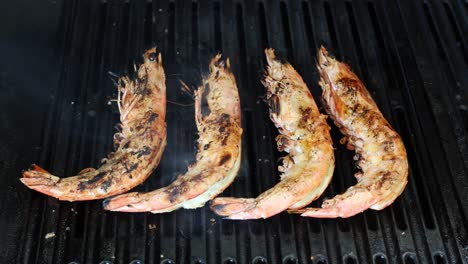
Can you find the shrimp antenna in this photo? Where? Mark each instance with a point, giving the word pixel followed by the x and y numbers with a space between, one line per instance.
pixel 114 81
pixel 113 74
pixel 114 78
pixel 186 89
pixel 179 104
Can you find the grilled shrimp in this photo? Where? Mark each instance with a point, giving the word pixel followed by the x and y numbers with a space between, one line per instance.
pixel 380 153
pixel 139 145
pixel 219 151
pixel 304 134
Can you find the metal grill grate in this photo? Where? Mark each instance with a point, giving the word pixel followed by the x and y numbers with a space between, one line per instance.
pixel 412 55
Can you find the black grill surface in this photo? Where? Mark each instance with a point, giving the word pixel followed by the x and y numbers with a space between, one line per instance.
pixel 54 110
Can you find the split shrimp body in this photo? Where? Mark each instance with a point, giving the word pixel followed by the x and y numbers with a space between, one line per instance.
pixel 380 153
pixel 219 151
pixel 139 145
pixel 304 134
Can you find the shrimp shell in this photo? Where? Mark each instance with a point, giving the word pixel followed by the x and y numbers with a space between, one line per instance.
pixel 219 151
pixel 304 134
pixel 139 144
pixel 380 153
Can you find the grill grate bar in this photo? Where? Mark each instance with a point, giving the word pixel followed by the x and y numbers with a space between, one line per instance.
pixel 453 71
pixel 412 56
pixel 251 231
pixel 278 12
pixel 364 232
pixel 394 218
pixel 66 138
pixel 31 231
pixel 441 209
pixel 421 189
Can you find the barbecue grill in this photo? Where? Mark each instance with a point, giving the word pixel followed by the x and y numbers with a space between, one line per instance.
pixel 56 109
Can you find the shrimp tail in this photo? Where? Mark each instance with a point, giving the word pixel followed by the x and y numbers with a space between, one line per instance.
pixel 228 206
pixel 39 179
pixel 38 176
pixel 129 202
pixel 350 203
